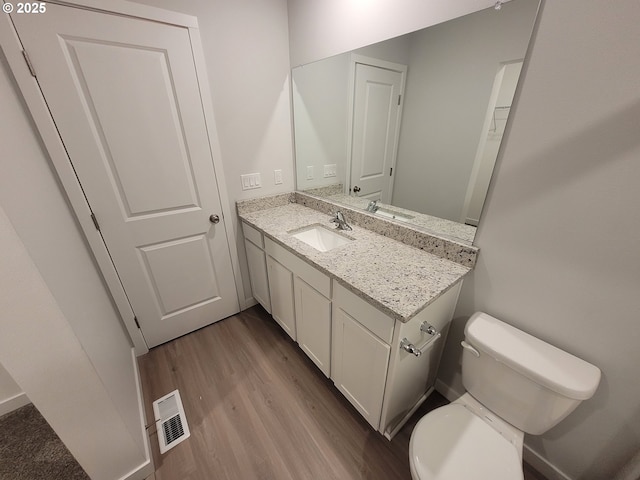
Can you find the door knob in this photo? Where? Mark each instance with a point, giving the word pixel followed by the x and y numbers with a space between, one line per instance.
pixel 214 218
pixel 356 189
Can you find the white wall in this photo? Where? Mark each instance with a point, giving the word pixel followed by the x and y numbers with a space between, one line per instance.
pixel 320 100
pixel 37 207
pixel 559 235
pixel 321 29
pixel 246 50
pixel 451 72
pixel 41 351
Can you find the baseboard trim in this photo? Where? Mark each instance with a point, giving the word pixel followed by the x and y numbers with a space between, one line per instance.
pixel 551 472
pixel 446 391
pixel 140 473
pixel 389 434
pixel 248 303
pixel 13 403
pixel 146 468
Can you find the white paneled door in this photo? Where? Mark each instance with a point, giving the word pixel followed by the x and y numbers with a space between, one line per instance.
pixel 125 97
pixel 376 122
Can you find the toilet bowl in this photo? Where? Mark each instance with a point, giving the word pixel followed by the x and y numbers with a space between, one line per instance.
pixel 454 442
pixel 515 383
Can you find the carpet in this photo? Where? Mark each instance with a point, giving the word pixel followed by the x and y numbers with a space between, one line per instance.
pixel 31 450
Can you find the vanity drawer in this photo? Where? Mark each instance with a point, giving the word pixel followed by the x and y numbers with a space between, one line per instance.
pixel 366 314
pixel 252 235
pixel 308 273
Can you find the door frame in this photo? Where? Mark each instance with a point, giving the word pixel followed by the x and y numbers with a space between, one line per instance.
pixel 488 119
pixel 45 125
pixel 354 59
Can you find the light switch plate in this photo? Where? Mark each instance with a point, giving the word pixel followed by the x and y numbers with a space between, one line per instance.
pixel 310 172
pixel 277 177
pixel 330 170
pixel 250 181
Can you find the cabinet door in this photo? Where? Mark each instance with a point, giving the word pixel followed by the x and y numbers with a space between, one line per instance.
pixel 359 365
pixel 313 324
pixel 258 274
pixel 281 289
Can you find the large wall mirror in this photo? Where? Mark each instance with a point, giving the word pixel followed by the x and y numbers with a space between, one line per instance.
pixel 410 128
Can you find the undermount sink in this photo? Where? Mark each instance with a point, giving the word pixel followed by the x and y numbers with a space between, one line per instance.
pixel 321 238
pixel 383 212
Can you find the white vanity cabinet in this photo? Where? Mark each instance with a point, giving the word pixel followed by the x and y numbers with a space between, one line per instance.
pixel 385 367
pixel 313 324
pixel 257 263
pixel 301 302
pixel 382 380
pixel 282 303
pixel 360 352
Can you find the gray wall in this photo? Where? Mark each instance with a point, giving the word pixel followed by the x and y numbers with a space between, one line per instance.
pixel 452 68
pixel 560 233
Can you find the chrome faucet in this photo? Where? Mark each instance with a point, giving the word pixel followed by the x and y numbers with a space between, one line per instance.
pixel 373 206
pixel 340 220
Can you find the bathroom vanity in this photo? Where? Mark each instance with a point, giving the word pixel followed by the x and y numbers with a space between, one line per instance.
pixel 370 311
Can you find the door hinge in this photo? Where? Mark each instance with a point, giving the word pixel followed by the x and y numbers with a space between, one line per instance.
pixel 399 98
pixel 29 64
pixel 135 319
pixel 95 221
pixel 391 171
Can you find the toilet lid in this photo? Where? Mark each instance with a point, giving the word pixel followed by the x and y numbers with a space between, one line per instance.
pixel 451 443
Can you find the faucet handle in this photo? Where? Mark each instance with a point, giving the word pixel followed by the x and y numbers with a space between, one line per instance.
pixel 341 221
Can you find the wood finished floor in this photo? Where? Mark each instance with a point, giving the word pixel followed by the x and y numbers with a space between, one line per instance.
pixel 258 408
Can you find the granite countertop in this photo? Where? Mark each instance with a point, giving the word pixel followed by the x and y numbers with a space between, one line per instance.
pixel 454 230
pixel 399 279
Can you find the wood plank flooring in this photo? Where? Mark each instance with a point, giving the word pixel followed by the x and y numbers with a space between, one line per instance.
pixel 258 408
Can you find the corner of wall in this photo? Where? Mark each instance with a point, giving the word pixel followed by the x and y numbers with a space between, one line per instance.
pixel 8 405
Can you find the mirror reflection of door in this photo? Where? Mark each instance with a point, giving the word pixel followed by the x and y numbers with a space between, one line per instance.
pixel 377 106
pixel 504 88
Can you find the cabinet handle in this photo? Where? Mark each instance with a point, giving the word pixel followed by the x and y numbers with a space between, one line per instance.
pixel 407 346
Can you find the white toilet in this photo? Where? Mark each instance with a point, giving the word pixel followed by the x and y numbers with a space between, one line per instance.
pixel 515 383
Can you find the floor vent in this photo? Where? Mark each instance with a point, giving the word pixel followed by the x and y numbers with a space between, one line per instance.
pixel 171 421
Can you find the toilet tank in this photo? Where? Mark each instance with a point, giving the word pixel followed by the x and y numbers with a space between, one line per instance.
pixel 527 382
